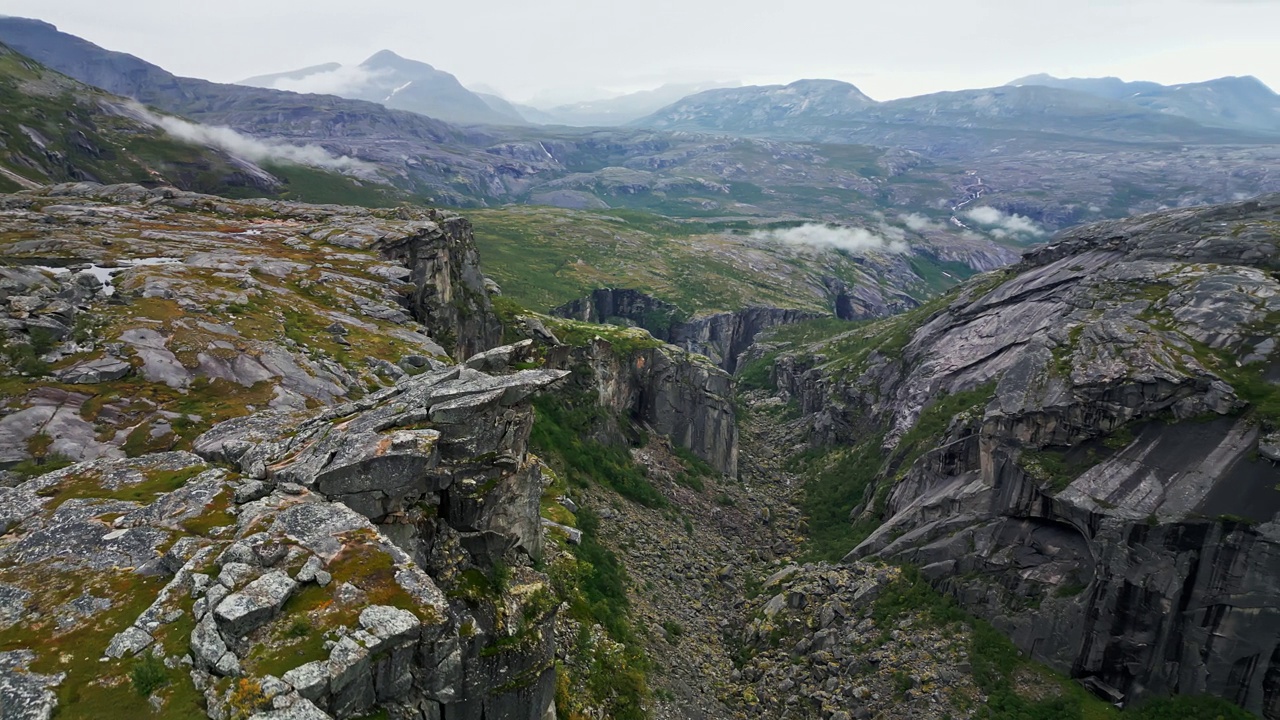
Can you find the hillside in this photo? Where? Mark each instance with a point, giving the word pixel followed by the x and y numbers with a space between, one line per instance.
pixel 55 129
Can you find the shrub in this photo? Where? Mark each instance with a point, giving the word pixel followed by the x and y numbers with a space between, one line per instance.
pixel 148 675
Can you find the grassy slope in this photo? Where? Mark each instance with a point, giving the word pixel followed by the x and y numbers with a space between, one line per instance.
pixel 544 257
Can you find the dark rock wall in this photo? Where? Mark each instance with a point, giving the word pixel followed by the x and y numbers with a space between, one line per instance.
pixel 722 337
pixel 1145 556
pixel 677 394
pixel 449 296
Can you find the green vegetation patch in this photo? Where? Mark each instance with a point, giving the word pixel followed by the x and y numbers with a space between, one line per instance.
pixel 562 434
pixel 594 583
pixel 89 485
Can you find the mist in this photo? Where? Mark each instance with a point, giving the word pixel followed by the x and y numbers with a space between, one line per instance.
pixel 250 148
pixel 1001 224
pixel 919 223
pixel 852 240
pixel 340 81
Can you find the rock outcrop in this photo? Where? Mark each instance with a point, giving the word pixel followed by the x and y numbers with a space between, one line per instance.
pixel 1093 485
pixel 678 394
pixel 175 310
pixel 449 294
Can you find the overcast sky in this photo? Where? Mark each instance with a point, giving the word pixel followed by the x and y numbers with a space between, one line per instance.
pixel 566 48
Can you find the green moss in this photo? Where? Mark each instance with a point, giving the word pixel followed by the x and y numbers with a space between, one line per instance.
pixel 594 583
pixel 94 689
pixel 155 482
pixel 935 418
pixel 696 470
pixel 757 374
pixel 216 514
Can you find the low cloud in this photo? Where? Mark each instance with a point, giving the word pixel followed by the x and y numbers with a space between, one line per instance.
pixel 919 223
pixel 853 240
pixel 251 148
pixel 343 81
pixel 1002 225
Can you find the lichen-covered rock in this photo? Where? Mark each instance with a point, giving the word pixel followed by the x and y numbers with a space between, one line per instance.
pixel 302 588
pixel 259 601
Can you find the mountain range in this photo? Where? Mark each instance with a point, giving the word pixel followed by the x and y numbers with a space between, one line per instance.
pixel 814 150
pixel 55 129
pixel 1226 110
pixel 1231 102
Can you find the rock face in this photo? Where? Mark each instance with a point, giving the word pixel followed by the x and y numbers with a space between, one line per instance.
pixel 678 394
pixel 722 337
pixel 450 295
pixel 1094 487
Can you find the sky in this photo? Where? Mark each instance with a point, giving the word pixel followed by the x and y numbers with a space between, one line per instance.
pixel 550 51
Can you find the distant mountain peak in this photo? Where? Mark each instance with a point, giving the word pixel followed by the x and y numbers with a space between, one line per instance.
pixel 387 59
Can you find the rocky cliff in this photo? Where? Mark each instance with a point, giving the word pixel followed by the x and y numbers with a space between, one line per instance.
pixel 721 337
pixel 1078 449
pixel 449 294
pixel 634 377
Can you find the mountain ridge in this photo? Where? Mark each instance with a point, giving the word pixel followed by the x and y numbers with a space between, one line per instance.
pixel 1237 102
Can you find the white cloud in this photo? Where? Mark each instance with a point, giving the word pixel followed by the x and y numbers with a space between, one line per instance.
pixel 343 81
pixel 1001 224
pixel 251 148
pixel 853 240
pixel 919 223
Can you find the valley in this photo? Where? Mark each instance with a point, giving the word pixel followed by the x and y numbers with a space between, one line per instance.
pixel 752 401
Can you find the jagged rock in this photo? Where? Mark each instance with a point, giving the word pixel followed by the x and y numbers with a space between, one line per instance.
pixel 500 358
pixel 303 709
pixel 250 491
pixel 207 645
pixel 255 604
pixel 310 680
pixel 391 626
pixel 572 535
pixel 129 642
